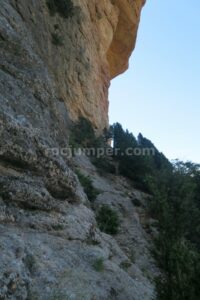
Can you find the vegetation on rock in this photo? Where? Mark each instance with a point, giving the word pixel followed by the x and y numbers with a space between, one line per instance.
pixel 57 40
pixel 87 185
pixel 175 191
pixel 99 265
pixel 108 220
pixel 83 135
pixel 64 8
pixel 138 158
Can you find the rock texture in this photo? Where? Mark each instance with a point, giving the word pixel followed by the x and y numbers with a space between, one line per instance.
pixel 53 69
pixel 52 254
pixel 97 41
pixel 124 36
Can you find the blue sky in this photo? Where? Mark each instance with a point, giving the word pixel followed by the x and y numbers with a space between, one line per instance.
pixel 159 95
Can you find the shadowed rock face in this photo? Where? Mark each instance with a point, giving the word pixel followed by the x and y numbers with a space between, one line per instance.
pixel 53 69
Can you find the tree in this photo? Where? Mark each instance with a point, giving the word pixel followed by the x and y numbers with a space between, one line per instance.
pixel 177 246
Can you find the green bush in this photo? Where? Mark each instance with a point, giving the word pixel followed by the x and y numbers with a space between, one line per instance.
pixel 82 134
pixel 104 165
pixel 132 256
pixel 108 220
pixel 136 202
pixel 30 262
pixel 64 8
pixel 58 226
pixel 87 185
pixel 57 40
pixel 98 265
pixel 51 4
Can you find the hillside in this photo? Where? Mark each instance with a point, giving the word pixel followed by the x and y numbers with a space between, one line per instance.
pixel 56 62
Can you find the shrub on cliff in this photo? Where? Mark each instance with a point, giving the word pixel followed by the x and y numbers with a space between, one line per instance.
pixel 87 185
pixel 99 265
pixel 104 165
pixel 64 8
pixel 108 220
pixel 82 134
pixel 57 40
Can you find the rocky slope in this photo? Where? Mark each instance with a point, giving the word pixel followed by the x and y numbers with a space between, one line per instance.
pixel 51 254
pixel 52 69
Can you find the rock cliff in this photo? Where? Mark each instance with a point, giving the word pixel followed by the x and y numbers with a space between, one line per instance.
pixel 56 65
pixel 96 41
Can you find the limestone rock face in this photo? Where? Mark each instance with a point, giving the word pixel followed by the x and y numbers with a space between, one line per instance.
pixel 124 36
pixel 96 42
pixel 53 69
